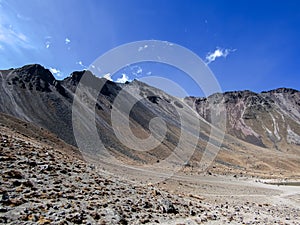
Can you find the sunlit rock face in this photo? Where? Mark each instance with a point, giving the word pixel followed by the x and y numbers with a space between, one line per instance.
pixel 268 119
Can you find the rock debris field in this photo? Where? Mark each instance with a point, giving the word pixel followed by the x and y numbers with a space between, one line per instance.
pixel 43 185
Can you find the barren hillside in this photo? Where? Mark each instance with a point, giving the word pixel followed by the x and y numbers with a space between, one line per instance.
pixel 261 135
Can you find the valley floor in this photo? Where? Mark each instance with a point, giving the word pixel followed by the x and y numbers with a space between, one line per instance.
pixel 44 185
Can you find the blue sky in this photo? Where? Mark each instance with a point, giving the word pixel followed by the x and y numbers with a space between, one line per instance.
pixel 247 44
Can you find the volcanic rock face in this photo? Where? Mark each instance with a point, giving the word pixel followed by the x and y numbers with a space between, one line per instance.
pixel 32 93
pixel 269 119
pixel 34 77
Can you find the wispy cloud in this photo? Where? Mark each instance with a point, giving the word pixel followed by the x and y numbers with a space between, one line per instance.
pixel 47 44
pixel 140 70
pixel 55 72
pixel 67 41
pixel 48 41
pixel 22 17
pixel 81 64
pixel 219 52
pixel 9 36
pixel 123 79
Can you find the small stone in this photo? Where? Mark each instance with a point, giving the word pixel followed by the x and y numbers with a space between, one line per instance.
pixel 5 196
pixel 123 221
pixel 17 202
pixel 15 174
pixel 3 210
pixel 32 164
pixel 3 219
pixel 212 217
pixel 28 183
pixel 192 212
pixel 168 207
pixel 42 220
pixel 16 183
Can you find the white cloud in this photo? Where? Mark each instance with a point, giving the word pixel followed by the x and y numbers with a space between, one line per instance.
pixel 219 52
pixel 168 43
pixel 142 48
pixel 67 41
pixel 55 72
pixel 149 73
pixel 1 47
pixel 136 70
pixel 108 76
pixel 123 79
pixel 81 64
pixel 139 71
pixel 48 43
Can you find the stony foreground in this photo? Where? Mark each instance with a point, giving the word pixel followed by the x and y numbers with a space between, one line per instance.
pixel 42 185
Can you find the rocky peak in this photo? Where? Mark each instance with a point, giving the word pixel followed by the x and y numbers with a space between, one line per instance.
pixel 108 88
pixel 33 77
pixel 235 96
pixel 282 90
pixel 76 76
pixel 35 72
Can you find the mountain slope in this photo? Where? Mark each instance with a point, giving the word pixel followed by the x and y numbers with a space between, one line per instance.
pixel 32 93
pixel 266 123
pixel 269 119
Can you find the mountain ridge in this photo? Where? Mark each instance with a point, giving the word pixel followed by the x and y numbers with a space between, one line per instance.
pixel 255 121
pixel 76 75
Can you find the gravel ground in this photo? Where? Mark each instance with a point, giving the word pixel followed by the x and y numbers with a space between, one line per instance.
pixel 42 185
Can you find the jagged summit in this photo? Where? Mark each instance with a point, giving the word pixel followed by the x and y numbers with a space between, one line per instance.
pixel 33 77
pixel 282 90
pixel 239 92
pixel 250 116
pixel 76 76
pixel 35 71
